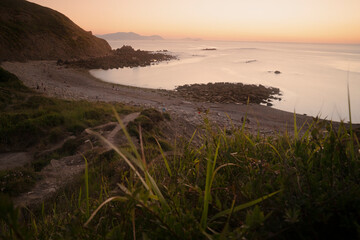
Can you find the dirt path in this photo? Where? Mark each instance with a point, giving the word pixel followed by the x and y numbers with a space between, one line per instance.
pixel 68 83
pixel 53 177
pixel 60 172
pixel 13 160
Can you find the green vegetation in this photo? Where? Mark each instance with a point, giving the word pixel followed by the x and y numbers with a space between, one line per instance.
pixel 15 181
pixel 29 120
pixel 147 120
pixel 230 186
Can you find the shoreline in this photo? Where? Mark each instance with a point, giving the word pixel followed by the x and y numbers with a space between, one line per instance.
pixel 64 82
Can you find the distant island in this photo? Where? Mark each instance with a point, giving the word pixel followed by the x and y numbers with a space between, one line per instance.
pixel 128 36
pixel 191 39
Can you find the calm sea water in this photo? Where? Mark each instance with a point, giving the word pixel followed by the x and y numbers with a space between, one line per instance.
pixel 313 77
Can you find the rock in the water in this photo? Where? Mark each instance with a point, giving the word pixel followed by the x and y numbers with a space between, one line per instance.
pixel 209 49
pixel 228 93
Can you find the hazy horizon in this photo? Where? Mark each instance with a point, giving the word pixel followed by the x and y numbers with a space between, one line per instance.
pixel 299 21
pixel 189 38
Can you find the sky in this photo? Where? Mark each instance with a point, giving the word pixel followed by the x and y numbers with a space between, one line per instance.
pixel 325 21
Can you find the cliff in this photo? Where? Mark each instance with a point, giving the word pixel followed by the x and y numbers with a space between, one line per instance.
pixel 31 32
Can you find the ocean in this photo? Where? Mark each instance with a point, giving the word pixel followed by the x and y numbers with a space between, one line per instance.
pixel 313 78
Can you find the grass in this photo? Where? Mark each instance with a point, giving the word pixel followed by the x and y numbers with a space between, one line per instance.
pixel 232 186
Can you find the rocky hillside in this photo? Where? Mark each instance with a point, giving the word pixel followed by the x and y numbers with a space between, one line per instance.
pixel 32 32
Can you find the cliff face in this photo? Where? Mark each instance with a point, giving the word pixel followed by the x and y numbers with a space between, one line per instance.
pixel 32 32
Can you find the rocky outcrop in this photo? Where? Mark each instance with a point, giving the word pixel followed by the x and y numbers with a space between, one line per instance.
pixel 229 93
pixel 125 56
pixel 32 32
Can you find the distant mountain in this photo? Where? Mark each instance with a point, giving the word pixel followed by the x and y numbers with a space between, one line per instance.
pixel 191 39
pixel 129 36
pixel 32 32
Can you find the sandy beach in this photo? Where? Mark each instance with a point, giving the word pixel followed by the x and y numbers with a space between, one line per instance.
pixel 52 80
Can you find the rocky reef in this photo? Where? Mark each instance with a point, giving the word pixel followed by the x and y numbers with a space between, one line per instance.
pixel 229 93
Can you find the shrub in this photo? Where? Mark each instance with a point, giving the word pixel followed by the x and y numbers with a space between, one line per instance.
pixel 153 114
pixel 51 120
pixel 16 181
pixel 95 114
pixel 76 128
pixel 36 101
pixel 9 80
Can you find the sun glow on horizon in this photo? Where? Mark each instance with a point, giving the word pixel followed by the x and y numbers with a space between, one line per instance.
pixel 329 21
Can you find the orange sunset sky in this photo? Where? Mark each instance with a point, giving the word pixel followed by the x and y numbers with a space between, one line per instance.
pixel 329 21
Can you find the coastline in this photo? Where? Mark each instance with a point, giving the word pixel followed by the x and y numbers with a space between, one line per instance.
pixel 63 82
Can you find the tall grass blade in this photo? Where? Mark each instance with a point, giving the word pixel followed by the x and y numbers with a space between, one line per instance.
pixel 275 150
pixel 244 120
pixel 34 226
pixel 138 163
pixel 142 147
pixel 79 198
pixel 249 140
pixel 226 228
pixel 352 150
pixel 243 206
pixel 164 158
pixel 231 121
pixel 295 127
pixel 133 223
pixel 150 183
pixel 142 154
pixel 209 173
pixel 192 138
pixel 218 168
pixel 116 198
pixel 307 132
pixel 43 212
pixel 157 191
pixel 87 187
pixel 126 134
